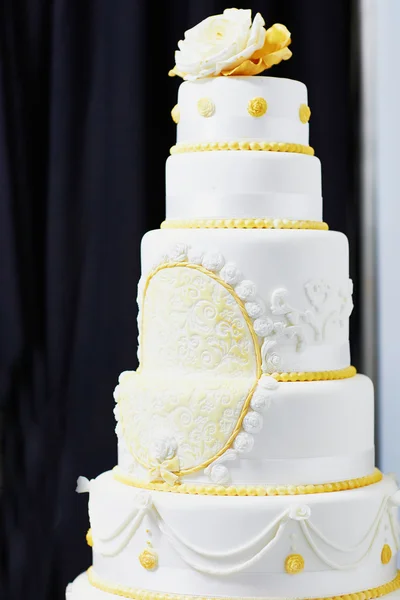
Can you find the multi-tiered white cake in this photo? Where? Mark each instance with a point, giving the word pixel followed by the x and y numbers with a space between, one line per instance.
pixel 246 439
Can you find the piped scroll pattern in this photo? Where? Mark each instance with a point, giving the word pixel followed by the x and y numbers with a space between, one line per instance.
pixel 295 519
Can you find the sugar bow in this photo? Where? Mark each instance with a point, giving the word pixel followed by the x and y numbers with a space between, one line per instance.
pixel 165 471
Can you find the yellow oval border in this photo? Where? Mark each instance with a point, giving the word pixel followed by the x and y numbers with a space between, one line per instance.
pixel 247 490
pixel 257 350
pixel 141 594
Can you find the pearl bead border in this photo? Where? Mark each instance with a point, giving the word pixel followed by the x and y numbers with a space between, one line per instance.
pixel 242 224
pixel 243 490
pixel 141 594
pixel 243 145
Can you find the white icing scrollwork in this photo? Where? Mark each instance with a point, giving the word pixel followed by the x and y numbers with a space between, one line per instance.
pixel 297 518
pixel 328 312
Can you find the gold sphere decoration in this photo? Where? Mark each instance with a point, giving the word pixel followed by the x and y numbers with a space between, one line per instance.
pixel 304 113
pixel 386 554
pixel 294 564
pixel 148 559
pixel 206 107
pixel 257 107
pixel 89 538
pixel 176 114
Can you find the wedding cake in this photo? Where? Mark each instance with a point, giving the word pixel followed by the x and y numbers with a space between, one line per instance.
pixel 245 437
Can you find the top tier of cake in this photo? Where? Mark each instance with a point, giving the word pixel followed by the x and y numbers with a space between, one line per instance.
pixel 221 109
pixel 250 115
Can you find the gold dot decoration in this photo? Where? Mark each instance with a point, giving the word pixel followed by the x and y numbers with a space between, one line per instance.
pixel 206 107
pixel 294 564
pixel 89 538
pixel 176 114
pixel 386 554
pixel 257 107
pixel 304 113
pixel 149 559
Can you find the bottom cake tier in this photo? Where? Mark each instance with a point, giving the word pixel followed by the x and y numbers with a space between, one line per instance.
pixel 155 545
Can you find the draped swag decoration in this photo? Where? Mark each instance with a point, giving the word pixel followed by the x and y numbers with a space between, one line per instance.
pixel 85 129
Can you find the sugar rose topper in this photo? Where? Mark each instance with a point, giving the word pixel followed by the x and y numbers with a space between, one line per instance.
pixel 230 44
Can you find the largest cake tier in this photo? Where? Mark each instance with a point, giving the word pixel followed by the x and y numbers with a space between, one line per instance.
pixel 162 545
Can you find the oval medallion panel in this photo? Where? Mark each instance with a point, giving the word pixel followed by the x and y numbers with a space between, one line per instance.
pixel 199 365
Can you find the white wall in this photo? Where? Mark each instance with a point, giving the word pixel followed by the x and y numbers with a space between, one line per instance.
pixel 387 210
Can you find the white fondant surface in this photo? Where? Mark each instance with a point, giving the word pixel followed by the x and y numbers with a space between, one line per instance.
pixel 230 184
pixel 195 535
pixel 276 260
pixel 231 121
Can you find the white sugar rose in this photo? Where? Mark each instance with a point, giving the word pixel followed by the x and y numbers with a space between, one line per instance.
pixel 300 513
pixel 244 442
pixel 230 44
pixel 179 253
pixel 163 448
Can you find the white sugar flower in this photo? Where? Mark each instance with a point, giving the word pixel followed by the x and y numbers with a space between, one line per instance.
pixel 246 289
pixel 179 253
pixel 230 44
pixel 263 326
pixel 253 422
pixel 230 273
pixel 302 512
pixel 220 475
pixel 163 448
pixel 195 257
pixel 213 261
pixel 244 442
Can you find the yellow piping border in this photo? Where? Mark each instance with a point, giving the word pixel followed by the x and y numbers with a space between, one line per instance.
pixel 243 145
pixel 345 373
pixel 243 490
pixel 242 224
pixel 256 346
pixel 140 594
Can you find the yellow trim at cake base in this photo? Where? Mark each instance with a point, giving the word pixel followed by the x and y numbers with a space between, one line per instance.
pixel 141 594
pixel 242 224
pixel 248 490
pixel 259 146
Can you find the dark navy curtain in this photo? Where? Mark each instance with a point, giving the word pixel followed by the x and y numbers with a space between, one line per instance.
pixel 85 130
